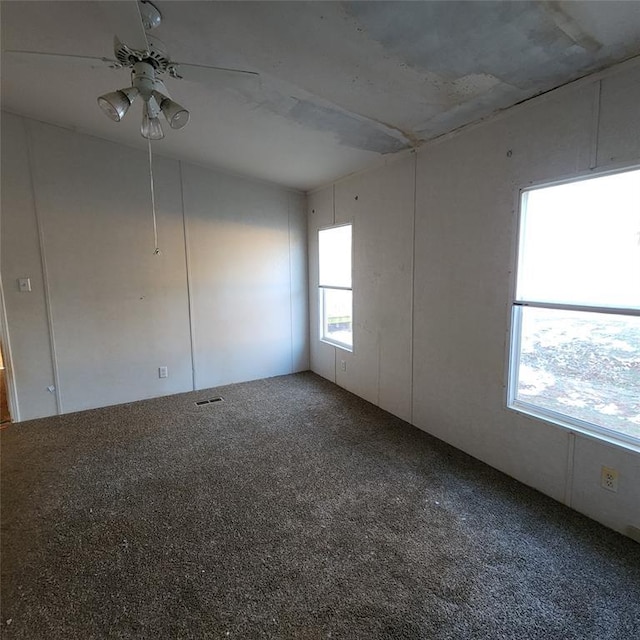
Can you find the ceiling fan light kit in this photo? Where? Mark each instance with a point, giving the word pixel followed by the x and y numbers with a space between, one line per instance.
pixel 156 100
pixel 148 60
pixel 145 66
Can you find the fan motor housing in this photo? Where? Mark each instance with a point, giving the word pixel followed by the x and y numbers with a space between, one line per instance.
pixel 156 56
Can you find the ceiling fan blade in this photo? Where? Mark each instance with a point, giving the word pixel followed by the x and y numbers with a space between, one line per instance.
pixel 125 21
pixel 61 58
pixel 215 75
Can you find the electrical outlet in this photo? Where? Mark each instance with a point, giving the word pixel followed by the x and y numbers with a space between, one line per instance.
pixel 343 365
pixel 609 479
pixel 163 372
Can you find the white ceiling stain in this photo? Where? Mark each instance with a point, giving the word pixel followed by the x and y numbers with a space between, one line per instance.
pixel 570 27
pixel 351 130
pixel 341 82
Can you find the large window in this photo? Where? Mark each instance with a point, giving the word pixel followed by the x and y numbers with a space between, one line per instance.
pixel 575 348
pixel 336 308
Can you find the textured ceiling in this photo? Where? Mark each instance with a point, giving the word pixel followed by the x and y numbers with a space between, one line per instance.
pixel 341 82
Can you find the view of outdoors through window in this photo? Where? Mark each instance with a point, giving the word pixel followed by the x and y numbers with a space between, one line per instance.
pixel 585 365
pixel 337 316
pixel 577 310
pixel 336 297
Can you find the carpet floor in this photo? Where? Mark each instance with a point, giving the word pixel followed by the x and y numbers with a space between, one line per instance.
pixel 291 510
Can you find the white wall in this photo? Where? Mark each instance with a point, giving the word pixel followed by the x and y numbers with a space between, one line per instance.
pixel 241 278
pixel 380 206
pixel 105 312
pixel 20 257
pixel 431 321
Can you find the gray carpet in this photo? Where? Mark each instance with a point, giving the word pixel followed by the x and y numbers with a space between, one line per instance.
pixel 293 510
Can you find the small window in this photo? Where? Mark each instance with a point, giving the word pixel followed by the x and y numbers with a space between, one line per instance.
pixel 575 347
pixel 336 295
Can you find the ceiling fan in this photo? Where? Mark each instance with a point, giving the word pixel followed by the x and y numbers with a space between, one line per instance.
pixel 149 62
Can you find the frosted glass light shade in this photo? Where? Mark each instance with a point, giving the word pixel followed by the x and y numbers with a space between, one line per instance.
pixel 116 103
pixel 177 116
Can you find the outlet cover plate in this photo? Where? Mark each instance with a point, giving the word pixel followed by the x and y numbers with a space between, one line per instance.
pixel 609 479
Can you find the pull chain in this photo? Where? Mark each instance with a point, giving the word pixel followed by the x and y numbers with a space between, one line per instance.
pixel 153 204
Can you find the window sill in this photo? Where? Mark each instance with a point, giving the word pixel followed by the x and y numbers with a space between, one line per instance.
pixel 340 345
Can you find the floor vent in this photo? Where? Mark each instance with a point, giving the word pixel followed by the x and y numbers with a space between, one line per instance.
pixel 217 399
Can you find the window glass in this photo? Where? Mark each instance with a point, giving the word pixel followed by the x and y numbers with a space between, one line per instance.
pixel 337 316
pixel 335 256
pixel 584 365
pixel 580 243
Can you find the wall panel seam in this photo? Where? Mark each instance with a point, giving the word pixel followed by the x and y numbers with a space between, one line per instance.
pixel 45 272
pixel 333 198
pixel 413 286
pixel 187 260
pixel 378 373
pixel 307 281
pixel 335 350
pixel 568 492
pixel 290 281
pixel 595 124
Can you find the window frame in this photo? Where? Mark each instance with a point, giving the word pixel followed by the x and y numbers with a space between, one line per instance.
pixel 323 288
pixel 516 307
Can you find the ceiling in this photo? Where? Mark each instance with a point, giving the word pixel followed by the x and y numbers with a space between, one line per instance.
pixel 341 83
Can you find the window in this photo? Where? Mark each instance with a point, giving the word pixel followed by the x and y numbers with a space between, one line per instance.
pixel 336 314
pixel 575 346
